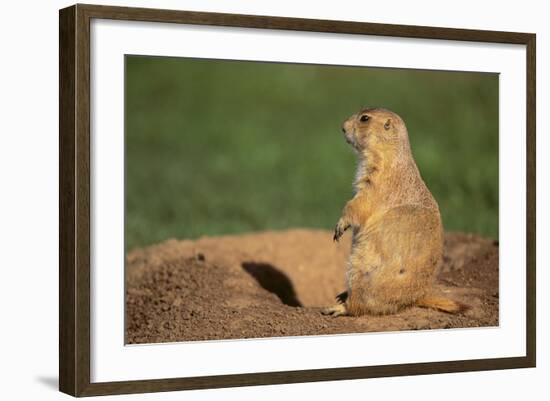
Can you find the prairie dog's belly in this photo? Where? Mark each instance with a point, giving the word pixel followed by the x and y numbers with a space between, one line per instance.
pixel 400 247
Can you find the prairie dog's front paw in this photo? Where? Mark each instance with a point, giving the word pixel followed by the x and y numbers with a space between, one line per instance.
pixel 339 230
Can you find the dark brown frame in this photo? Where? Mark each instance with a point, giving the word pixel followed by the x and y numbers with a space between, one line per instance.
pixel 74 199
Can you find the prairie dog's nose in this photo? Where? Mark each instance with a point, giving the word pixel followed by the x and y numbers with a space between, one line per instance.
pixel 346 126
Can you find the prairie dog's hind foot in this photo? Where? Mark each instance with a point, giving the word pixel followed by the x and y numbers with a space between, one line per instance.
pixel 336 310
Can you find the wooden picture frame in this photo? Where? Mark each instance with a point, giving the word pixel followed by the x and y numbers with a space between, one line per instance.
pixel 74 203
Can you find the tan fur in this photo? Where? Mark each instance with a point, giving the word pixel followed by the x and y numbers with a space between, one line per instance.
pixel 441 303
pixel 397 240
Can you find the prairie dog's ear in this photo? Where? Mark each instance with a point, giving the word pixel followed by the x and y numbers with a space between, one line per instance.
pixel 387 125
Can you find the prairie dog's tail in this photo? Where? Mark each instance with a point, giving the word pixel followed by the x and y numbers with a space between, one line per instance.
pixel 441 303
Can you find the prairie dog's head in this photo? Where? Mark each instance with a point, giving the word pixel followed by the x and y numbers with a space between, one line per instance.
pixel 375 129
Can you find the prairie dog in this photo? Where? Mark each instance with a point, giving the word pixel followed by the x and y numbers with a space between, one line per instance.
pixel 397 243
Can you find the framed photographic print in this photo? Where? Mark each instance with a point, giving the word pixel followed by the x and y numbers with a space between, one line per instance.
pixel 250 200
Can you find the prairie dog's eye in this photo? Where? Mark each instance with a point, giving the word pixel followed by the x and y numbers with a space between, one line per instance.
pixel 364 118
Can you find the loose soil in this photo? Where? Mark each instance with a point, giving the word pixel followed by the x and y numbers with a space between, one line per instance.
pixel 274 284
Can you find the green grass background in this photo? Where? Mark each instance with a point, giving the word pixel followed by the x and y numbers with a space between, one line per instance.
pixel 218 147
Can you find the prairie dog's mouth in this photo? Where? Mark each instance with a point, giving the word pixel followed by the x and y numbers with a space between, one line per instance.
pixel 350 140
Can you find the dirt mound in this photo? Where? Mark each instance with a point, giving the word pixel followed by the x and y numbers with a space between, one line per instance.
pixel 274 284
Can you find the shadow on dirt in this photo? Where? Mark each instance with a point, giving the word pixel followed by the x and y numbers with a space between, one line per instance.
pixel 274 281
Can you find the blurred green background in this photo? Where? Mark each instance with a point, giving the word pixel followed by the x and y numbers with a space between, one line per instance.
pixel 218 147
